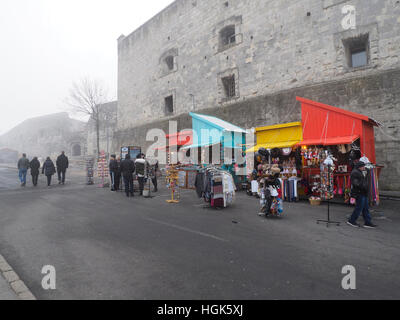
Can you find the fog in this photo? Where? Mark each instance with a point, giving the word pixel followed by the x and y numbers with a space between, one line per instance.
pixel 48 44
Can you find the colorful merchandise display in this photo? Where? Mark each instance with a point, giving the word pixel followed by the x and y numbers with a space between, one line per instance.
pixel 89 171
pixel 172 178
pixel 102 169
pixel 216 187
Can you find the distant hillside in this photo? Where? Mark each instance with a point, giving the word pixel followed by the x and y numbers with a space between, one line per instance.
pixel 44 136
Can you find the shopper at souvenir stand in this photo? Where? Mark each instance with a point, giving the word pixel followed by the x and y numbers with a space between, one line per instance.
pixel 117 181
pixel 127 170
pixel 142 167
pixel 271 193
pixel 359 191
pixel 113 166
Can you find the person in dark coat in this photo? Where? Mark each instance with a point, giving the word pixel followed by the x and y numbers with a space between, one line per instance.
pixel 48 170
pixel 35 168
pixel 127 170
pixel 113 166
pixel 117 183
pixel 155 169
pixel 62 166
pixel 359 191
pixel 142 167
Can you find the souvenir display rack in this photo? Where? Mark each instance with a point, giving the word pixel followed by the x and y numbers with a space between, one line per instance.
pixel 172 178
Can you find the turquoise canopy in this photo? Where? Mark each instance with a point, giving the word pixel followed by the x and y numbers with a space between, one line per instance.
pixel 209 130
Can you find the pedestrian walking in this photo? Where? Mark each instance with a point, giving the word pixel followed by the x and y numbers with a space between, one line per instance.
pixel 113 167
pixel 62 166
pixel 127 170
pixel 359 191
pixel 48 170
pixel 23 166
pixel 35 168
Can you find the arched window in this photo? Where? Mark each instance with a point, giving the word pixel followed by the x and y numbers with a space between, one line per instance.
pixel 76 150
pixel 169 61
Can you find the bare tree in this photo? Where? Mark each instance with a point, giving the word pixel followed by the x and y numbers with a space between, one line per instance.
pixel 85 97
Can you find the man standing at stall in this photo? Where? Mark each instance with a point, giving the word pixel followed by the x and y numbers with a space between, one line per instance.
pixel 142 166
pixel 359 191
pixel 113 167
pixel 127 170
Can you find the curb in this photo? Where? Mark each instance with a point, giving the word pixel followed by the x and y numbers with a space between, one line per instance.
pixel 15 283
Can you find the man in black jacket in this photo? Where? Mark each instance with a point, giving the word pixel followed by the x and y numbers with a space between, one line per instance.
pixel 35 168
pixel 127 170
pixel 113 166
pixel 62 166
pixel 359 191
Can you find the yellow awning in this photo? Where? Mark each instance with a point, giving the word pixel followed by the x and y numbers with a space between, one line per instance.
pixel 278 136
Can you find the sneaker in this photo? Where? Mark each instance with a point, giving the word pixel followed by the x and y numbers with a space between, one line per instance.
pixel 355 225
pixel 262 214
pixel 370 226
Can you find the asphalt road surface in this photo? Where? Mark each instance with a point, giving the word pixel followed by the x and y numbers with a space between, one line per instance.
pixel 106 246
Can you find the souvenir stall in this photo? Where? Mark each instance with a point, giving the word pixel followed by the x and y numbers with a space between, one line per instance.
pixel 210 133
pixel 345 137
pixel 276 145
pixel 186 170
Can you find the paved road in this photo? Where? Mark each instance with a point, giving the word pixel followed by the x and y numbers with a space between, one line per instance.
pixel 9 178
pixel 105 246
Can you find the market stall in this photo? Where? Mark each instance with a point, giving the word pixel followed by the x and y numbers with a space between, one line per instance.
pixel 280 141
pixel 186 171
pixel 300 149
pixel 346 137
pixel 216 179
pixel 210 134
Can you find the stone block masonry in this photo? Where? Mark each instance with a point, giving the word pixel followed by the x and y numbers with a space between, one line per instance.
pixel 273 51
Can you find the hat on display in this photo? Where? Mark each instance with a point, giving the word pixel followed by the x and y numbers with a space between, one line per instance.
pixel 355 154
pixel 264 152
pixel 275 170
pixel 275 153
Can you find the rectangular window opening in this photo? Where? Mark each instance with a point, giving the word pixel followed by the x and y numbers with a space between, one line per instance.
pixel 169 105
pixel 357 51
pixel 229 86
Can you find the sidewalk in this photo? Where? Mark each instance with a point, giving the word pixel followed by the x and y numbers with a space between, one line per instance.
pixel 6 293
pixel 11 286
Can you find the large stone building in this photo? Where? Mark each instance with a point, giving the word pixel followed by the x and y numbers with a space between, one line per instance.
pixel 246 61
pixel 47 136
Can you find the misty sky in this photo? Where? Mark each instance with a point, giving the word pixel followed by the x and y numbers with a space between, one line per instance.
pixel 48 44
